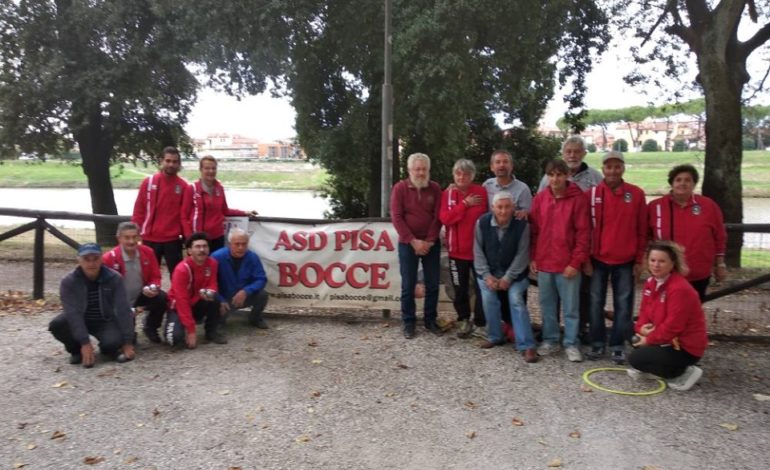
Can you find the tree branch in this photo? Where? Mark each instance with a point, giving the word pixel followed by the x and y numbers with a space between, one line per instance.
pixel 761 36
pixel 698 11
pixel 761 85
pixel 687 35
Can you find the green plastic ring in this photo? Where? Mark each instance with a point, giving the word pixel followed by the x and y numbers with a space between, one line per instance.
pixel 587 374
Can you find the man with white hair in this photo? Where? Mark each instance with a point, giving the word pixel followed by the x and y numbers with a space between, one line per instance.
pixel 241 277
pixel 414 209
pixel 573 151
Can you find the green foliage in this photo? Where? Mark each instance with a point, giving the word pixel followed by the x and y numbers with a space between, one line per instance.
pixel 620 145
pixel 749 144
pixel 650 145
pixel 591 148
pixel 679 146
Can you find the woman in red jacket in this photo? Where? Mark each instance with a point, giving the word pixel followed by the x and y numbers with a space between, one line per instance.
pixel 204 206
pixel 462 203
pixel 671 327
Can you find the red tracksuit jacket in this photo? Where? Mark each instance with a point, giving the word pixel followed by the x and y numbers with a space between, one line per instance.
pixel 186 282
pixel 113 259
pixel 460 220
pixel 204 212
pixel 559 230
pixel 675 311
pixel 157 208
pixel 618 223
pixel 699 227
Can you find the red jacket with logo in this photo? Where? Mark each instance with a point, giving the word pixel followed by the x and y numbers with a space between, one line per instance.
pixel 460 220
pixel 559 230
pixel 204 212
pixel 618 223
pixel 113 259
pixel 157 208
pixel 414 212
pixel 186 282
pixel 675 310
pixel 698 226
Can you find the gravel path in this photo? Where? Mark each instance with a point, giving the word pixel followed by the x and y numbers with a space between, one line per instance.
pixel 312 393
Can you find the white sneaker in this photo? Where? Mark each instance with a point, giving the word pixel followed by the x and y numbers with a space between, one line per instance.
pixel 547 348
pixel 685 381
pixel 573 354
pixel 480 332
pixel 636 374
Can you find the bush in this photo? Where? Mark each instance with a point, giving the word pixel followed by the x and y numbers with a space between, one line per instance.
pixel 591 148
pixel 620 145
pixel 749 143
pixel 679 146
pixel 650 145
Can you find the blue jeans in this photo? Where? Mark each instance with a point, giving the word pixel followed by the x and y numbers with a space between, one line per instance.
pixel 553 287
pixel 408 261
pixel 522 329
pixel 622 278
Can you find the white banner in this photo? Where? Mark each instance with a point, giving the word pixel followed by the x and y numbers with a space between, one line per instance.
pixel 348 264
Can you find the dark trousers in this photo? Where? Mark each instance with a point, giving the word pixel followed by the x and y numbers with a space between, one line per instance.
pixel 257 301
pixel 106 332
pixel 408 262
pixel 155 308
pixel 461 274
pixel 204 311
pixel 216 244
pixel 663 361
pixel 170 251
pixel 700 287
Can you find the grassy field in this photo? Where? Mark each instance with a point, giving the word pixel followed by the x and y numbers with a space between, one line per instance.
pixel 650 169
pixel 59 174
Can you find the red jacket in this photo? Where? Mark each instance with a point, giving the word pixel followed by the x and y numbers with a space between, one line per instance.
pixel 113 259
pixel 698 226
pixel 414 212
pixel 204 212
pixel 157 208
pixel 559 230
pixel 618 223
pixel 186 282
pixel 460 220
pixel 675 311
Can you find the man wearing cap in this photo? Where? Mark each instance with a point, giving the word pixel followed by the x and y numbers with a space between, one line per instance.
pixel 95 304
pixel 618 239
pixel 141 276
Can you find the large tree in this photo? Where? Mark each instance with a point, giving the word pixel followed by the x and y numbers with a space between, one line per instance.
pixel 109 75
pixel 709 31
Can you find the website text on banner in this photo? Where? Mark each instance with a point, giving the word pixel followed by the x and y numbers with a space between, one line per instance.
pixel 342 265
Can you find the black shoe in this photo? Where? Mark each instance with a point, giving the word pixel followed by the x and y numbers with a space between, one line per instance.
pixel 255 319
pixel 619 357
pixel 596 353
pixel 152 335
pixel 433 328
pixel 76 359
pixel 216 337
pixel 408 330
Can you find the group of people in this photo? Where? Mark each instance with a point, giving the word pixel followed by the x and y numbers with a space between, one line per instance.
pixel 103 294
pixel 582 231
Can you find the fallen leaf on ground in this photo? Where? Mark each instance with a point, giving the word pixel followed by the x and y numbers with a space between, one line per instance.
pixel 517 422
pixel 224 392
pixel 19 465
pixel 91 460
pixel 312 344
pixel 61 384
pixel 555 462
pixel 471 434
pixel 21 425
pixel 117 451
pixel 471 405
pixel 542 442
pixel 390 394
pixel 156 412
pixel 729 426
pixel 402 366
pixel 315 393
pixel 650 467
pixel 364 338
pixel 302 438
pixel 316 361
pixel 386 325
pixel 31 446
pixel 234 468
pixel 586 389
pixel 249 349
pixel 575 434
pixel 761 397
pixel 131 460
pixel 58 435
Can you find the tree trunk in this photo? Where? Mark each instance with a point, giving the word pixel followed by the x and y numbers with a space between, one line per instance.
pixel 722 85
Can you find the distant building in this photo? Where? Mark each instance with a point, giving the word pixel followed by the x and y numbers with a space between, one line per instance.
pixel 237 147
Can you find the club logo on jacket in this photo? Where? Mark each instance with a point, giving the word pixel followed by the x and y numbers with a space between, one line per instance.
pixel 177 189
pixel 663 298
pixel 696 209
pixel 647 292
pixel 207 272
pixel 627 197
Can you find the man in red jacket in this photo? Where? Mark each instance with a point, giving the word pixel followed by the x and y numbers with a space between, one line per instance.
pixel 414 209
pixel 559 247
pixel 139 269
pixel 157 209
pixel 618 240
pixel 193 296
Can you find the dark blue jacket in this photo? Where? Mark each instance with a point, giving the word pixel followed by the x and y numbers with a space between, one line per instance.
pixel 251 277
pixel 113 302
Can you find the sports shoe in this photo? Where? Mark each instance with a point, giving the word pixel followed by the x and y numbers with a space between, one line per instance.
pixel 255 319
pixel 216 338
pixel 573 354
pixel 433 328
pixel 491 344
pixel 151 335
pixel 530 355
pixel 636 374
pixel 408 330
pixel 685 381
pixel 596 352
pixel 480 332
pixel 547 348
pixel 464 328
pixel 619 357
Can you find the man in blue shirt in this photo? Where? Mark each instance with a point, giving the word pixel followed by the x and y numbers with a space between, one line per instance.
pixel 241 278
